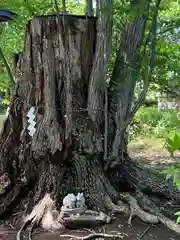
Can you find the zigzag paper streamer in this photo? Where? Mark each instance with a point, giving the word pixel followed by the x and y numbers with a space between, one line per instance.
pixel 31 128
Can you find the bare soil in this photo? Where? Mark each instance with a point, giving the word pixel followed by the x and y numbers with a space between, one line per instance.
pixel 152 156
pixel 139 230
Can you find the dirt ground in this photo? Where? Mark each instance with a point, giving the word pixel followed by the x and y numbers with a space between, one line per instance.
pixel 151 152
pixel 138 231
pixel 147 152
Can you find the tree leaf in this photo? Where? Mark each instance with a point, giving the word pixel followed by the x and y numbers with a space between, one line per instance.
pixel 178 220
pixel 177 213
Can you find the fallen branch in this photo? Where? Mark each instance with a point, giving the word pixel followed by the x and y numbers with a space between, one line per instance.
pixel 93 236
pixel 145 231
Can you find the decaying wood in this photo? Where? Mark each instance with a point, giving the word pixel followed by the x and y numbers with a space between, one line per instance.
pixel 54 71
pixel 54 84
pixel 45 214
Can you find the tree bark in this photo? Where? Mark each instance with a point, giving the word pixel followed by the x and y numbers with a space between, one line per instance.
pixel 56 66
pixel 66 152
pixel 124 77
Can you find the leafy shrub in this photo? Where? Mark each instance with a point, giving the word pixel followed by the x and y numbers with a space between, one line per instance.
pixel 3 108
pixel 168 123
pixel 149 121
pixel 149 116
pixel 172 144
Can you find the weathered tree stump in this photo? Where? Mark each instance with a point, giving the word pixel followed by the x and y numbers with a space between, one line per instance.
pixel 66 152
pixel 55 65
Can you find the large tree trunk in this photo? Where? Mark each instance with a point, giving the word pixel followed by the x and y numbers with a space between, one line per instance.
pixel 66 152
pixel 59 158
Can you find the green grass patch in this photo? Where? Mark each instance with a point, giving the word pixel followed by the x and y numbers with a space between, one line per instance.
pixel 143 143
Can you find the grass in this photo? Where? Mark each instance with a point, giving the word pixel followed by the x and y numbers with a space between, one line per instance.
pixel 150 151
pixel 147 143
pixel 149 122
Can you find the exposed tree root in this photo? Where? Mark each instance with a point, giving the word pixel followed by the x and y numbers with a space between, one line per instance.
pixel 9 200
pixel 45 212
pixel 120 208
pixel 149 206
pixel 132 210
pixel 135 210
pixel 169 223
pixel 147 217
pixel 149 180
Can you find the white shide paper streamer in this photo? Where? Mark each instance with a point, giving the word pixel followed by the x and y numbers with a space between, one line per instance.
pixel 31 128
